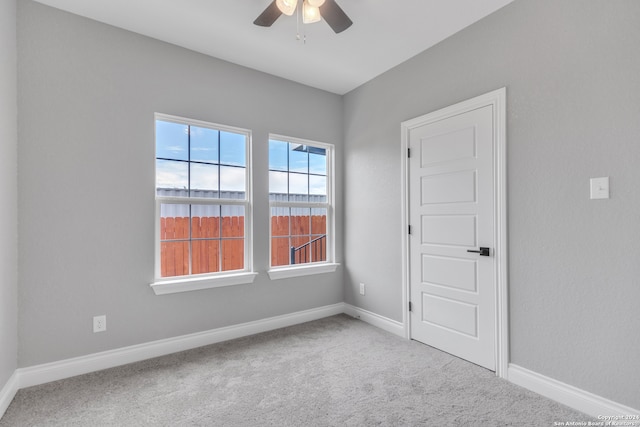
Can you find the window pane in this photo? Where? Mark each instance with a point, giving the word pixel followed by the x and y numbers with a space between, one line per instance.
pixel 205 256
pixel 233 149
pixel 172 140
pixel 280 251
pixel 318 221
pixel 298 187
pixel 279 221
pixel 174 258
pixel 172 178
pixel 204 144
pixel 233 221
pixel 318 161
pixel 318 185
pixel 205 221
pixel 278 182
pixel 318 247
pixel 298 158
pixel 174 221
pixel 278 157
pixel 204 180
pixel 232 254
pixel 232 179
pixel 300 250
pixel 300 221
pixel 298 235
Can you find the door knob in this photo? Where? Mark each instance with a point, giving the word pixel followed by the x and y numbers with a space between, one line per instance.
pixel 482 251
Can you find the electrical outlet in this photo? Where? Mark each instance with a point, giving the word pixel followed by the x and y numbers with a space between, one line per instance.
pixel 361 288
pixel 99 323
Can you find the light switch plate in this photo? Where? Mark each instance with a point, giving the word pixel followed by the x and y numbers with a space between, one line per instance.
pixel 600 188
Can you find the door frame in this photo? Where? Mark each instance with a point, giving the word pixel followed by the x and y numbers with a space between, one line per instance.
pixel 497 99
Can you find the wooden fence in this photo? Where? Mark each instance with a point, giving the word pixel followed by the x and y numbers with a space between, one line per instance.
pixel 221 248
pixel 303 231
pixel 222 244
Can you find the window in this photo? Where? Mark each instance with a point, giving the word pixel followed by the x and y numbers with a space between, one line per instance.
pixel 202 205
pixel 301 205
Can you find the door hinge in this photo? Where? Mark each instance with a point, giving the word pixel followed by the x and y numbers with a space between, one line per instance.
pixel 409 152
pixel 410 306
pixel 410 230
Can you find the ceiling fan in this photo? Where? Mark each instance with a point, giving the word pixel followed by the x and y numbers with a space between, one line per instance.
pixel 312 11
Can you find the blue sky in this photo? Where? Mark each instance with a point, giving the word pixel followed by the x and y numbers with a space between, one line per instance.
pixel 218 151
pixel 296 171
pixel 293 167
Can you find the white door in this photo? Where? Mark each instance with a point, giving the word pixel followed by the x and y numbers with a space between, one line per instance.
pixel 451 212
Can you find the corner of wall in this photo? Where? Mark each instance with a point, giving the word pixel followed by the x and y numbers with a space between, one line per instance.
pixel 7 393
pixel 8 209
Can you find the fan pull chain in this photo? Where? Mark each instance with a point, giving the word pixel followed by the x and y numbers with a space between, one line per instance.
pixel 304 33
pixel 298 24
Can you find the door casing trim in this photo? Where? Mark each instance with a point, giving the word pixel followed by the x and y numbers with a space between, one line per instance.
pixel 497 99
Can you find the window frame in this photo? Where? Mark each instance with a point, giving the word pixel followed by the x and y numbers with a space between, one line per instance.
pixel 190 282
pixel 329 265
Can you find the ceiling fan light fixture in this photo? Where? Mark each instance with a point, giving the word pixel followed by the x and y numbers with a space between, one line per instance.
pixel 312 11
pixel 310 14
pixel 287 6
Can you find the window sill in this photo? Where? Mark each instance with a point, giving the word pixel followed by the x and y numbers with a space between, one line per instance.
pixel 306 270
pixel 197 283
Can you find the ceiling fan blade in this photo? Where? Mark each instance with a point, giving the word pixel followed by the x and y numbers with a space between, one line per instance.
pixel 335 16
pixel 269 16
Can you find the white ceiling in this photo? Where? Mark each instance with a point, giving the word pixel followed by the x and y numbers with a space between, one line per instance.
pixel 385 33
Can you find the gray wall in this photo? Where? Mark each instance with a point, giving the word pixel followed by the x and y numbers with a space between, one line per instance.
pixel 572 73
pixel 87 95
pixel 9 192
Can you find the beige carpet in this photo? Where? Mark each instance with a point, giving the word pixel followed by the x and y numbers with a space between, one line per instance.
pixel 336 371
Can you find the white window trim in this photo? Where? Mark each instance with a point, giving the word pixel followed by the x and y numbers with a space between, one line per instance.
pixel 175 284
pixel 194 283
pixel 278 273
pixel 328 266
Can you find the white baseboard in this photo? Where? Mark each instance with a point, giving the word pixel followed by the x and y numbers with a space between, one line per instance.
pixel 8 392
pixel 40 374
pixel 376 320
pixel 568 395
pixel 573 397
